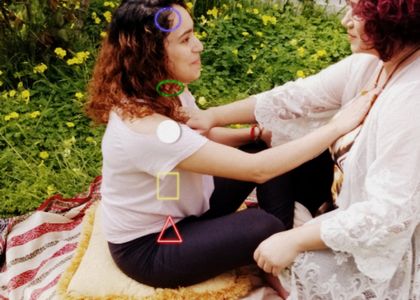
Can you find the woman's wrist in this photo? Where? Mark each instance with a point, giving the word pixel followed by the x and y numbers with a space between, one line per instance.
pixel 213 117
pixel 335 130
pixel 256 132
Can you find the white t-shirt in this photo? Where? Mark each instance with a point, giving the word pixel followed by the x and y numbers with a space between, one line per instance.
pixel 131 163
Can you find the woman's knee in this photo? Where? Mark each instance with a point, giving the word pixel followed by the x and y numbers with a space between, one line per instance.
pixel 263 224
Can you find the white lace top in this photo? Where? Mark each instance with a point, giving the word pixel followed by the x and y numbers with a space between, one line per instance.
pixel 379 205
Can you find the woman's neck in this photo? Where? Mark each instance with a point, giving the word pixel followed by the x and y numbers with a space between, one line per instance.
pixel 390 65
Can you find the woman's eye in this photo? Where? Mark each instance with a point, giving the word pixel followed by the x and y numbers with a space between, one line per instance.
pixel 186 40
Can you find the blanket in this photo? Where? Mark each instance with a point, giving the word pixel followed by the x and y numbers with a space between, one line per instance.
pixel 36 252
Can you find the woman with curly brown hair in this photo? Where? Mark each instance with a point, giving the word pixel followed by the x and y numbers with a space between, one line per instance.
pixel 148 42
pixel 369 248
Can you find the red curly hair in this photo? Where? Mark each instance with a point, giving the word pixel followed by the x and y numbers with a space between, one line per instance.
pixel 131 62
pixel 390 24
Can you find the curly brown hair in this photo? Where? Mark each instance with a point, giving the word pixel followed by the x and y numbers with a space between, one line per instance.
pixel 131 62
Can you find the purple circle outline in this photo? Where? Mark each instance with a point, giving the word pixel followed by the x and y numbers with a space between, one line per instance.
pixel 161 11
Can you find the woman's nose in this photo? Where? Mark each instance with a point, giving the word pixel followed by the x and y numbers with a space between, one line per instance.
pixel 347 20
pixel 198 45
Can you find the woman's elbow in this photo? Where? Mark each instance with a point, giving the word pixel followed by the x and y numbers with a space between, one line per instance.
pixel 259 175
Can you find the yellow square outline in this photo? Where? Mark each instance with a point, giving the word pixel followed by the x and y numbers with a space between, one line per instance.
pixel 177 186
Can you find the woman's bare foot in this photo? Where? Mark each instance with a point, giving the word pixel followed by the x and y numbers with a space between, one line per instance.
pixel 274 282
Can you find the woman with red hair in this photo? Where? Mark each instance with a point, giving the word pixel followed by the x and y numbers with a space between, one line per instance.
pixel 151 156
pixel 368 248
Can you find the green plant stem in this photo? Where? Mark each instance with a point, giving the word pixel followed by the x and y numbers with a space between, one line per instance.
pixel 17 152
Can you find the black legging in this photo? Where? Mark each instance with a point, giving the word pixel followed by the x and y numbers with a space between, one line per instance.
pixel 223 239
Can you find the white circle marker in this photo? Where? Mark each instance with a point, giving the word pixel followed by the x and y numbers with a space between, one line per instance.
pixel 168 131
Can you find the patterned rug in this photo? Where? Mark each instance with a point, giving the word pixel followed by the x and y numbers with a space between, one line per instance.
pixel 35 248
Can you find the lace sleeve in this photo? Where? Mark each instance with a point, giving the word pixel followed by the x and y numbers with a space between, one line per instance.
pixel 297 108
pixel 290 112
pixel 377 230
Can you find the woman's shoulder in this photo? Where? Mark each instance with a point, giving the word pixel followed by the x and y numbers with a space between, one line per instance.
pixel 143 125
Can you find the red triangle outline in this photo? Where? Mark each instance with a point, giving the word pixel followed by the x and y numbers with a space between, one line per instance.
pixel 170 241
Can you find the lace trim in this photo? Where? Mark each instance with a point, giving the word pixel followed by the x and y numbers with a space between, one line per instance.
pixel 298 119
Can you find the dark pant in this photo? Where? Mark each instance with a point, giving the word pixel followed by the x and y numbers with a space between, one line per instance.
pixel 223 239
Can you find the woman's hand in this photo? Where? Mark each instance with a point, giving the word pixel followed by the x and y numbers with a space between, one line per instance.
pixel 354 113
pixel 266 137
pixel 201 121
pixel 277 252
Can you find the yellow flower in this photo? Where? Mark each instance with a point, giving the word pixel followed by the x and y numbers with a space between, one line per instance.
pixel 239 5
pixel 79 95
pixel 40 68
pixel 314 57
pixel 235 52
pixel 269 19
pixel 109 4
pixel 213 12
pixel 90 140
pixel 12 93
pixel 69 142
pixel 249 71
pixel 190 5
pixel 202 101
pixel 11 116
pixel 321 53
pixel 203 20
pixel 50 189
pixel 103 34
pixel 1 72
pixel 300 74
pixel 259 33
pixel 301 51
pixel 226 17
pixel 26 94
pixel 255 11
pixel 254 56
pixel 80 58
pixel 70 124
pixel 97 20
pixel 35 114
pixel 60 52
pixel 20 85
pixel 44 155
pixel 293 42
pixel 108 16
pixel 245 33
pixel 200 36
pixel 72 61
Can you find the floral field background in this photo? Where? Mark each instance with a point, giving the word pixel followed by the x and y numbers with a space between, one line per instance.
pixel 47 51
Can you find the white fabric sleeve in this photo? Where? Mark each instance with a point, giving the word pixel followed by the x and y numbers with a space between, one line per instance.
pixel 378 230
pixel 296 108
pixel 152 156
